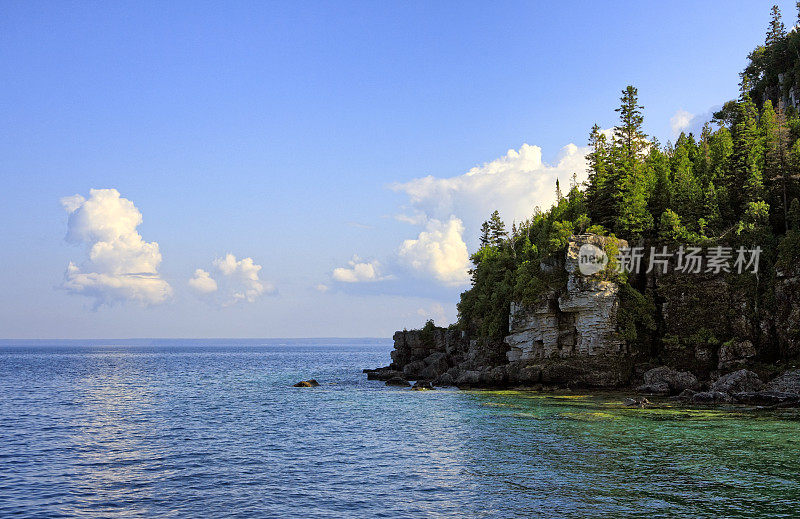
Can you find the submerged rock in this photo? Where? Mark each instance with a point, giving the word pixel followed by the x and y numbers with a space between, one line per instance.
pixel 637 402
pixel 307 383
pixel 711 397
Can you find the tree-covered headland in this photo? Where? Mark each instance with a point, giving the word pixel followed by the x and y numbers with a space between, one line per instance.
pixel 735 184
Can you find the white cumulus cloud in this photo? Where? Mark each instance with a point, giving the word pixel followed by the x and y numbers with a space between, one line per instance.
pixel 203 282
pixel 514 184
pixel 359 271
pixel 439 251
pixel 235 281
pixel 121 265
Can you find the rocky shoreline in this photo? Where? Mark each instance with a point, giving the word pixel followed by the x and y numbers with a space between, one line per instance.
pixel 569 339
pixel 739 387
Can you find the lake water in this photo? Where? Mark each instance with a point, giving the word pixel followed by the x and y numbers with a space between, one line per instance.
pixel 214 429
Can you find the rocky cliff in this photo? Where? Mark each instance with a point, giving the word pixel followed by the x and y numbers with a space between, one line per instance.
pixel 570 336
pixel 579 322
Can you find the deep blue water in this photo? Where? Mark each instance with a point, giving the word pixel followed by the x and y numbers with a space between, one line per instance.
pixel 214 429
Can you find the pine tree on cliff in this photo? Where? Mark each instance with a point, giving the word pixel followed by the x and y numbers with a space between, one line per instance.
pixel 687 192
pixel 776 29
pixel 629 135
pixel 600 188
pixel 661 198
pixel 634 185
pixel 497 229
pixel 702 165
pixel 559 196
pixel 484 234
pixel 747 182
pixel 721 151
pixel 776 158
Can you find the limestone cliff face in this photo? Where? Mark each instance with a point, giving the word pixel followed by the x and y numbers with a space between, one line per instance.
pixel 580 322
pixel 567 338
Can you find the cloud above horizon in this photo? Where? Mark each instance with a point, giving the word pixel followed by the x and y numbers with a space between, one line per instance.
pixel 439 252
pixel 121 266
pixel 359 271
pixel 235 281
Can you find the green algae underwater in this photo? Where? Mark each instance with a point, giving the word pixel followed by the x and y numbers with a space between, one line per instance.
pixel 669 459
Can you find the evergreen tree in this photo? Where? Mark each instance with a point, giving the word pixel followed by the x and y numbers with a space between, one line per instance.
pixel 497 230
pixel 630 179
pixel 747 183
pixel 779 156
pixel 703 161
pixel 776 29
pixel 687 196
pixel 661 198
pixel 559 196
pixel 711 212
pixel 600 185
pixel 629 134
pixel 484 234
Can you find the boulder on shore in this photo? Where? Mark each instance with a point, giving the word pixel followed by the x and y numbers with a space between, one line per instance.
pixel 666 381
pixel 788 382
pixel 470 378
pixel 742 381
pixel 768 398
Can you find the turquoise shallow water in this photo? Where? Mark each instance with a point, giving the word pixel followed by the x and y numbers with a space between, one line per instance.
pixel 213 429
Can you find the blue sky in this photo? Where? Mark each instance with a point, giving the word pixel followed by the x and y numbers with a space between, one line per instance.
pixel 297 134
